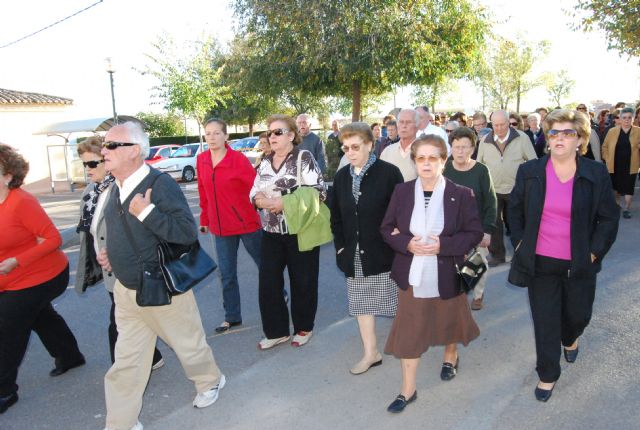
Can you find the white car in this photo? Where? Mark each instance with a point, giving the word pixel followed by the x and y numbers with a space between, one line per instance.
pixel 182 162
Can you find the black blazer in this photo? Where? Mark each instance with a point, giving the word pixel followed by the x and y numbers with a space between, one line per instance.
pixel 360 224
pixel 594 218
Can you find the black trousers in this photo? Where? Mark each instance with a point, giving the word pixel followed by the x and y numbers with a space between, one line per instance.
pixel 279 251
pixel 30 309
pixel 561 309
pixel 113 334
pixel 496 247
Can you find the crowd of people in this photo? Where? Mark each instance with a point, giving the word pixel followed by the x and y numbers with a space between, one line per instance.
pixel 413 196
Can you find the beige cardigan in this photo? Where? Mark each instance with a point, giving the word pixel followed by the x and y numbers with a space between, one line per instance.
pixel 609 148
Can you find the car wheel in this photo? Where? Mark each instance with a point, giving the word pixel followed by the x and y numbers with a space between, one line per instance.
pixel 188 174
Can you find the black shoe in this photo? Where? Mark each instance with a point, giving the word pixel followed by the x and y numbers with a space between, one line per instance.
pixel 543 395
pixel 64 367
pixel 449 370
pixel 7 401
pixel 493 262
pixel 571 354
pixel 226 326
pixel 401 402
pixel 626 214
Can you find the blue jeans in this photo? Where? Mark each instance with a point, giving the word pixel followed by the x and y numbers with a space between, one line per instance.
pixel 227 250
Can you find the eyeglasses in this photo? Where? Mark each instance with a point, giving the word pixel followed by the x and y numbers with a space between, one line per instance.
pixel 513 124
pixel 113 145
pixel 554 134
pixel 430 158
pixel 92 164
pixel 581 108
pixel 626 118
pixel 355 148
pixel 277 132
pixel 448 131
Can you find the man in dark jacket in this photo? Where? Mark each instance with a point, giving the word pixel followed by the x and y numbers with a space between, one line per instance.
pixel 311 141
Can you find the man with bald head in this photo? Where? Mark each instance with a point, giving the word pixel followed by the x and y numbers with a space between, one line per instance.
pixel 426 126
pixel 503 150
pixel 144 208
pixel 398 153
pixel 311 141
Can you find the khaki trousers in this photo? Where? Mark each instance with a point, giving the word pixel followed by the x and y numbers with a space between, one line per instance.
pixel 179 325
pixel 478 291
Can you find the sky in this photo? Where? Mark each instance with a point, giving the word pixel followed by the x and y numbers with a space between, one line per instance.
pixel 68 60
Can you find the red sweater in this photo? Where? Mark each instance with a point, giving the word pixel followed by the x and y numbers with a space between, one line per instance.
pixel 23 221
pixel 224 194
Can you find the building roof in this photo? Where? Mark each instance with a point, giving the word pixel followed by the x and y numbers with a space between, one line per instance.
pixel 11 97
pixel 87 125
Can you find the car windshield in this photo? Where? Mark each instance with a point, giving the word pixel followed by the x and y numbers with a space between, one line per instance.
pixel 185 151
pixel 246 143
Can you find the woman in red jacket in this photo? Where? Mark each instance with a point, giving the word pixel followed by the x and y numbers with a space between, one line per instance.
pixel 225 178
pixel 33 272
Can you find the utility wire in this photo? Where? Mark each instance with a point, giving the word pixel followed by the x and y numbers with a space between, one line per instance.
pixel 50 25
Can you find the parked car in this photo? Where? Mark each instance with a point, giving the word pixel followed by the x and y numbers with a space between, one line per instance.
pixel 160 152
pixel 249 146
pixel 181 164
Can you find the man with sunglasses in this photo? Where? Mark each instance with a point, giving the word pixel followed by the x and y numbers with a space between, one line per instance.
pixel 143 208
pixel 502 151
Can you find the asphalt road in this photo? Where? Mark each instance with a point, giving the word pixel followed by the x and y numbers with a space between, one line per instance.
pixel 311 388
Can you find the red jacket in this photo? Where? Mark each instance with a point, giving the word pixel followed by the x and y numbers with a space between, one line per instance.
pixel 224 194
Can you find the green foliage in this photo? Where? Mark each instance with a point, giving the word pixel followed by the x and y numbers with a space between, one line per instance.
pixel 560 87
pixel 354 48
pixel 430 95
pixel 620 21
pixel 189 80
pixel 162 124
pixel 506 76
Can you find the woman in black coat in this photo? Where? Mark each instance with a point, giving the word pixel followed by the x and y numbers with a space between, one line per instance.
pixel 359 199
pixel 563 219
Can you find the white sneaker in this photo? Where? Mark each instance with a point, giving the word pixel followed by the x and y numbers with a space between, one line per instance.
pixel 156 366
pixel 209 397
pixel 270 343
pixel 301 338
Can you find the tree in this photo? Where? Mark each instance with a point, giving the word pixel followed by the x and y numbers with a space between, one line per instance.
pixel 162 124
pixel 430 95
pixel 190 83
pixel 344 48
pixel 560 87
pixel 620 21
pixel 506 76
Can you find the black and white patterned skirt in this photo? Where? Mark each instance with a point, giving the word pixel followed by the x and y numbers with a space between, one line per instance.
pixel 371 295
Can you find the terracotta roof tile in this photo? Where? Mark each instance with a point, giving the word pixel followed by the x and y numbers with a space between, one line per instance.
pixel 10 97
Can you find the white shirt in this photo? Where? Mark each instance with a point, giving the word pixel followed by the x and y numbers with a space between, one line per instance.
pixel 438 131
pixel 129 184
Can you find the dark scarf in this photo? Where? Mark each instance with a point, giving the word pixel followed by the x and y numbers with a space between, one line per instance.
pixel 89 203
pixel 357 179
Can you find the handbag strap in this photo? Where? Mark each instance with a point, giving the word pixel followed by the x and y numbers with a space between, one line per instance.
pixel 127 229
pixel 299 169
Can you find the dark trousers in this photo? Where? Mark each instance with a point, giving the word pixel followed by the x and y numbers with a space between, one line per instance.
pixel 496 247
pixel 30 309
pixel 561 310
pixel 113 334
pixel 279 251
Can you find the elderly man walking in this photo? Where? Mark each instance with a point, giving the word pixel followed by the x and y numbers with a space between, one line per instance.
pixel 503 150
pixel 147 207
pixel 311 141
pixel 398 153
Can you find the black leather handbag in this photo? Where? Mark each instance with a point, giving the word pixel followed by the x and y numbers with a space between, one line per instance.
pixel 471 271
pixel 183 267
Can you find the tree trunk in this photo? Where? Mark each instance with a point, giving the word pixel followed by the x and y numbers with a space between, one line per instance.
pixel 357 99
pixel 518 94
pixel 250 127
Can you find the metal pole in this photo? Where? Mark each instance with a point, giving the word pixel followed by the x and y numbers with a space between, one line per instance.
pixel 113 98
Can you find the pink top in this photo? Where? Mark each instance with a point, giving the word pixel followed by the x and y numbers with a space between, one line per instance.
pixel 554 236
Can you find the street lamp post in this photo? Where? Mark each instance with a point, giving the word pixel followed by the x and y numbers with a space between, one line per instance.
pixel 111 70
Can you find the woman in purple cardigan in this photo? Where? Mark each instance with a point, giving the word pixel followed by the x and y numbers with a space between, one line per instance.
pixel 431 223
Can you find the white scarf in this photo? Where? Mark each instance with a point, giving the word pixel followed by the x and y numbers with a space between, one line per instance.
pixel 423 275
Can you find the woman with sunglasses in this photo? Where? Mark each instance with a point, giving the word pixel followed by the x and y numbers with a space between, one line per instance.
pixel 225 178
pixel 431 223
pixel 621 152
pixel 360 196
pixel 33 272
pixel 278 175
pixel 93 234
pixel 564 219
pixel 515 121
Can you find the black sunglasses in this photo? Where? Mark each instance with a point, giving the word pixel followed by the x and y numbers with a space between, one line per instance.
pixel 277 132
pixel 92 164
pixel 513 124
pixel 113 145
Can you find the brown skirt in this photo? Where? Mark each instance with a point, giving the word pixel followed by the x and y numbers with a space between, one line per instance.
pixel 421 323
